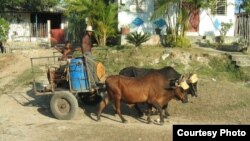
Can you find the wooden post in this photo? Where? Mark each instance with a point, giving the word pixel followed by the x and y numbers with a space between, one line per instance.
pixel 36 26
pixel 49 34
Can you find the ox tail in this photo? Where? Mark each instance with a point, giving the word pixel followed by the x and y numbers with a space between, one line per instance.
pixel 107 96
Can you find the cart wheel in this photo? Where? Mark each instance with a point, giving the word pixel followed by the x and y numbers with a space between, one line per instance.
pixel 64 105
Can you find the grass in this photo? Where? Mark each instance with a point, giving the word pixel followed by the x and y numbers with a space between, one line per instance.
pixel 116 58
pixel 218 67
pixel 27 76
pixel 217 102
pixel 23 79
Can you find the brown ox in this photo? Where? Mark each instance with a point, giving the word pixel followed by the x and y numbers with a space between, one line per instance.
pixel 153 89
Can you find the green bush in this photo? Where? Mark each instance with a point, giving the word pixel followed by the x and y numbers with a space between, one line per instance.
pixel 137 38
pixel 4 28
pixel 169 41
pixel 183 42
pixel 223 68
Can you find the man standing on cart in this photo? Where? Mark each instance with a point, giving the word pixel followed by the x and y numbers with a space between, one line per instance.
pixel 87 52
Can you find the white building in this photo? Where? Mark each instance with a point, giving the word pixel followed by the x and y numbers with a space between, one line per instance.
pixel 210 23
pixel 137 15
pixel 32 26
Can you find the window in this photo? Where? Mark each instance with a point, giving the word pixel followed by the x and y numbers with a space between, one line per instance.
pixel 221 7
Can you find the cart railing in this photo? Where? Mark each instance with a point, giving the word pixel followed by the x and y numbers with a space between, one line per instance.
pixel 39 67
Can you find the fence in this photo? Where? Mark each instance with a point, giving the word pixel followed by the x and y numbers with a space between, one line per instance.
pixel 242 27
pixel 25 31
pixel 38 30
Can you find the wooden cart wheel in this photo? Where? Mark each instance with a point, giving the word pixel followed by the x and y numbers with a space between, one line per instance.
pixel 64 105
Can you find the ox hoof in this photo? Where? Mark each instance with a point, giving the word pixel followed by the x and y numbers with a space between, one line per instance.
pixel 98 119
pixel 140 115
pixel 150 122
pixel 124 121
pixel 161 123
pixel 166 114
pixel 185 101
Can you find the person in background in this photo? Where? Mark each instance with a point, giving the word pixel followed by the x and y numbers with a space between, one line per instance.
pixel 86 41
pixel 87 52
pixel 2 47
pixel 65 51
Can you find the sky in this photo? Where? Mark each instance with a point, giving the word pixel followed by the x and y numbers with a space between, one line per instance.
pixel 237 4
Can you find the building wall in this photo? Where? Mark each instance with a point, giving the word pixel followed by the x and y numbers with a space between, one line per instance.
pixel 19 25
pixel 126 16
pixel 23 29
pixel 207 20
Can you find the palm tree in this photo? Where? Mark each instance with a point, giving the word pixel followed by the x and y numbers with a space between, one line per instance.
pixel 105 21
pixel 76 12
pixel 162 8
pixel 183 10
pixel 102 16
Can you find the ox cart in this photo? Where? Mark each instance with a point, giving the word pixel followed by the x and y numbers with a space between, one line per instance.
pixel 68 81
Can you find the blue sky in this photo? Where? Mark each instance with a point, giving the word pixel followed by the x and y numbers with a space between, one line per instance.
pixel 237 3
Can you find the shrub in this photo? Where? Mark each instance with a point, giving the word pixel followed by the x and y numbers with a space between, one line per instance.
pixel 169 41
pixel 222 67
pixel 183 42
pixel 4 28
pixel 137 38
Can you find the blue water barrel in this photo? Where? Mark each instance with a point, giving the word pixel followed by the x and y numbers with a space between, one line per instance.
pixel 78 75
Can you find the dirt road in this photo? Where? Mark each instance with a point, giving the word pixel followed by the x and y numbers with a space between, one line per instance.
pixel 27 117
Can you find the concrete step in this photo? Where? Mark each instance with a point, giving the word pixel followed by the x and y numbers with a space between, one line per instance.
pixel 245 63
pixel 241 60
pixel 240 57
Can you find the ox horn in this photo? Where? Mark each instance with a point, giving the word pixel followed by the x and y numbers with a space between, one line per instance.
pixel 181 77
pixel 184 85
pixel 193 78
pixel 182 82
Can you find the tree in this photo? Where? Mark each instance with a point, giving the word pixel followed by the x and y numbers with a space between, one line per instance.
pixel 182 9
pixel 4 28
pixel 39 5
pixel 105 21
pixel 246 5
pixel 27 5
pixel 76 12
pixel 102 15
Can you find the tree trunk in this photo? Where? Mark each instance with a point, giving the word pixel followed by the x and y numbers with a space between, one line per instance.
pixel 104 39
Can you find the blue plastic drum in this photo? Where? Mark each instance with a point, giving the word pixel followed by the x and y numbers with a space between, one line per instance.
pixel 78 75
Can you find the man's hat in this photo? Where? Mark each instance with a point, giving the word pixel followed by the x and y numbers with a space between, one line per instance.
pixel 89 28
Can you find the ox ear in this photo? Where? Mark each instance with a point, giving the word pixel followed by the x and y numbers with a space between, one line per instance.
pixel 172 84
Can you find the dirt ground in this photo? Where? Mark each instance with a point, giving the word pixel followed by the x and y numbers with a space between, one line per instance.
pixel 27 117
